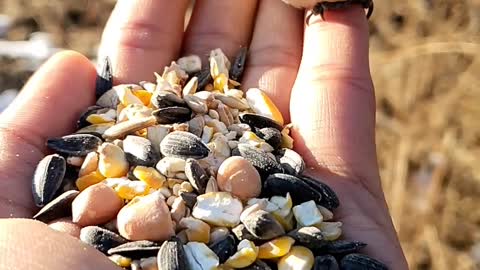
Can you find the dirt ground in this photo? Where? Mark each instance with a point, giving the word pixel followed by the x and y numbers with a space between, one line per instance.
pixel 425 64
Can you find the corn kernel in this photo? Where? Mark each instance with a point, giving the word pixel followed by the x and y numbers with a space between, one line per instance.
pixel 327 214
pixel 120 260
pixel 131 189
pixel 286 221
pixel 246 255
pixel 143 95
pixel 331 231
pixel 307 214
pixel 99 119
pixel 90 164
pixel 126 96
pixel 196 230
pixel 287 141
pixel 112 162
pixel 220 82
pixel 275 248
pixel 263 105
pixel 251 138
pixel 90 179
pixel 150 176
pixel 299 258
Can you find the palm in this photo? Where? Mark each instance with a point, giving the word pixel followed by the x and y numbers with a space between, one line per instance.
pixel 331 104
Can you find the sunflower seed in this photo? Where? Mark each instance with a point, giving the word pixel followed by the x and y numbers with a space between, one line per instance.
pixel 241 233
pixel 329 197
pixel 291 161
pixel 136 249
pixel 263 225
pixel 75 144
pixel 258 121
pixel 164 99
pixel 48 178
pixel 170 115
pixel 109 99
pixel 357 261
pixel 183 145
pixel 104 80
pixel 58 208
pixel 196 175
pixel 171 256
pixel 100 238
pixel 271 135
pixel 259 159
pixel 238 66
pixel 200 257
pixel 342 247
pixel 139 151
pixel 327 262
pixel 280 184
pixel 224 248
pixel 204 78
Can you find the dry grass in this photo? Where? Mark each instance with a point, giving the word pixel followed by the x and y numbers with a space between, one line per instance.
pixel 425 61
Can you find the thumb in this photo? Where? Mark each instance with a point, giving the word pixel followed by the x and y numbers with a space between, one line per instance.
pixel 47 106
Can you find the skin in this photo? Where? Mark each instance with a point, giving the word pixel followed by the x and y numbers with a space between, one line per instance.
pixel 318 75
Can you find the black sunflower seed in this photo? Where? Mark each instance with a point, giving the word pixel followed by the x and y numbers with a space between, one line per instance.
pixel 258 121
pixel 358 261
pixel 48 178
pixel 257 265
pixel 327 262
pixel 329 197
pixel 196 175
pixel 183 144
pixel 271 135
pixel 104 80
pixel 189 198
pixel 204 77
pixel 75 144
pixel 291 161
pixel 343 247
pixel 171 115
pixel 58 208
pixel 136 249
pixel 100 238
pixel 164 99
pixel 224 248
pixel 263 225
pixel 264 164
pixel 238 66
pixel 280 184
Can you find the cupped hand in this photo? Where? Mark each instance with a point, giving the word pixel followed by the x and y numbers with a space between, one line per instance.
pixel 318 75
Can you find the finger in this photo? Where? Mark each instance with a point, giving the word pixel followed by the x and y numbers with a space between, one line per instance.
pixel 333 104
pixel 48 106
pixel 219 24
pixel 275 52
pixel 27 244
pixel 143 36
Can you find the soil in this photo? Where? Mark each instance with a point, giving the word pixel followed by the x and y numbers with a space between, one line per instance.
pixel 425 58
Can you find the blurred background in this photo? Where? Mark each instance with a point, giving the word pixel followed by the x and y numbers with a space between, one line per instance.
pixel 425 58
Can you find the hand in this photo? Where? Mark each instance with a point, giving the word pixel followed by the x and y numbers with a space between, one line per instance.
pixel 332 106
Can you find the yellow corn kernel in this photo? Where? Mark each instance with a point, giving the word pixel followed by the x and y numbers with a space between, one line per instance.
pixel 150 176
pixel 246 255
pixel 249 136
pixel 287 140
pixel 90 179
pixel 120 260
pixel 143 95
pixel 263 105
pixel 90 164
pixel 131 189
pixel 126 96
pixel 298 258
pixel 196 230
pixel 331 231
pixel 220 82
pixel 275 248
pixel 99 119
pixel 112 162
pixel 285 220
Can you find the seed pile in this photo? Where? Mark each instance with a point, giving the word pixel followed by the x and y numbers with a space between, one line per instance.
pixel 190 172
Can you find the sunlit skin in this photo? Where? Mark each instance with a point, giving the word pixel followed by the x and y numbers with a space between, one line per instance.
pixel 318 74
